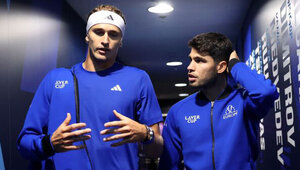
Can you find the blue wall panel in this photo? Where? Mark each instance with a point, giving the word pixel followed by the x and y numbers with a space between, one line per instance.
pixel 2 167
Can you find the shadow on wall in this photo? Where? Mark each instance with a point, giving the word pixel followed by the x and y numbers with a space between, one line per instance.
pixel 35 37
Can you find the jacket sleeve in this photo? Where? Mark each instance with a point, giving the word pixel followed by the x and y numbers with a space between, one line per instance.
pixel 33 142
pixel 259 93
pixel 172 156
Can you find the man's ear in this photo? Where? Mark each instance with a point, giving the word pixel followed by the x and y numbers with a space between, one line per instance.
pixel 121 43
pixel 221 67
pixel 87 38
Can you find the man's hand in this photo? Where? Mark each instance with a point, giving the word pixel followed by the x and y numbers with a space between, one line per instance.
pixel 233 55
pixel 65 135
pixel 127 129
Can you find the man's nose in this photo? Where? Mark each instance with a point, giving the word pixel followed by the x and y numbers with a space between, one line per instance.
pixel 105 40
pixel 190 67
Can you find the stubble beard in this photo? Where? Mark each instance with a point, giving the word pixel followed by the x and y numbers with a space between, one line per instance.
pixel 208 84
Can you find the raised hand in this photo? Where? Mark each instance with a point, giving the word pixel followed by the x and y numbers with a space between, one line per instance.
pixel 233 55
pixel 65 135
pixel 127 129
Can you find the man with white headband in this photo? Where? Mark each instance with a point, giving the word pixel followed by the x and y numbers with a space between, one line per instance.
pixel 92 115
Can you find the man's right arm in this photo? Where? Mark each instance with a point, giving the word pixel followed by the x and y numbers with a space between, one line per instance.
pixel 32 137
pixel 34 142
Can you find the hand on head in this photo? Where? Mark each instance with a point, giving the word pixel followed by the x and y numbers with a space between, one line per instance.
pixel 233 55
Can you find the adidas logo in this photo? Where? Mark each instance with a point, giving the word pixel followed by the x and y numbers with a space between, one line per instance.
pixel 116 88
pixel 109 17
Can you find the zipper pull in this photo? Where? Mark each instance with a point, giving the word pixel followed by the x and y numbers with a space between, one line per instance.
pixel 212 104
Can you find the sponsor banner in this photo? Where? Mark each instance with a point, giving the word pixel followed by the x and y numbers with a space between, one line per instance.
pixel 275 53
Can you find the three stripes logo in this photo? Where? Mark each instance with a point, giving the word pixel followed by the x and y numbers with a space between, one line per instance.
pixel 109 17
pixel 116 88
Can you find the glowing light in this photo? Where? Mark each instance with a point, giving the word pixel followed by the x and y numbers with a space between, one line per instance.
pixel 161 8
pixel 183 94
pixel 174 63
pixel 180 84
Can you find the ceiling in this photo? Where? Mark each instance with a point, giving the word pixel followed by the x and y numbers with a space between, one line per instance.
pixel 152 40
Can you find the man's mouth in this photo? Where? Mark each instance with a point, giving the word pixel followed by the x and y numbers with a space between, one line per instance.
pixel 192 78
pixel 102 50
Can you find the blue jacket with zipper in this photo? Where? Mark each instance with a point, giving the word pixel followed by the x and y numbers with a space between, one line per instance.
pixel 221 134
pixel 126 89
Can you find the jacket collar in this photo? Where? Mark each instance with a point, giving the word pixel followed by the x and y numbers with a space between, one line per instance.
pixel 223 95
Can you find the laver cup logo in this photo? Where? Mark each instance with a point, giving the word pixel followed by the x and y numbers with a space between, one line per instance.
pixel 61 84
pixel 230 112
pixel 192 119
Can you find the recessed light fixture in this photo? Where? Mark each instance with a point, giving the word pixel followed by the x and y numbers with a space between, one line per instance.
pixel 161 8
pixel 174 63
pixel 180 84
pixel 183 94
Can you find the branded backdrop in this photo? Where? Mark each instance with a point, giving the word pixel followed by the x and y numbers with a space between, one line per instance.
pixel 272 47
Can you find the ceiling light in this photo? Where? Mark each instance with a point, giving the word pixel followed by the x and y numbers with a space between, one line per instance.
pixel 161 8
pixel 180 84
pixel 183 94
pixel 174 63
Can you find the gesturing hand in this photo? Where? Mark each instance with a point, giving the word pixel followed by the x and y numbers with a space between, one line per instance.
pixel 127 129
pixel 65 135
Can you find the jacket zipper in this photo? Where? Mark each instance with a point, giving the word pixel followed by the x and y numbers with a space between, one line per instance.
pixel 76 91
pixel 88 155
pixel 212 134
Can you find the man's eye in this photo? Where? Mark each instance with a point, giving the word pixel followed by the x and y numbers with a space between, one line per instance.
pixel 113 34
pixel 198 60
pixel 99 32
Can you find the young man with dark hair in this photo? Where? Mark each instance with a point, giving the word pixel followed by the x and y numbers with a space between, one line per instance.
pixel 75 120
pixel 217 127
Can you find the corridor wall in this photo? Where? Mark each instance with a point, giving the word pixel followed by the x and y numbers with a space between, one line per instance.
pixel 35 37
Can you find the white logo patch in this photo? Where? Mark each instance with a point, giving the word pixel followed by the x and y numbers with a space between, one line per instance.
pixel 61 84
pixel 116 88
pixel 192 119
pixel 230 112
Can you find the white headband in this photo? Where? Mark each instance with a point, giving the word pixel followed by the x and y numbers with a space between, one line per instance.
pixel 106 17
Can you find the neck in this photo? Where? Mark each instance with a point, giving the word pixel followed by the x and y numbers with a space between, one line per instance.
pixel 214 91
pixel 92 64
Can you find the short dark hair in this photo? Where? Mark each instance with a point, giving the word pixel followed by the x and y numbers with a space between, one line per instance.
pixel 107 8
pixel 213 44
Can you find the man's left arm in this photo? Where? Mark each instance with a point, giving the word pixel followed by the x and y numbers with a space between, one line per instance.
pixel 148 114
pixel 153 147
pixel 131 131
pixel 262 92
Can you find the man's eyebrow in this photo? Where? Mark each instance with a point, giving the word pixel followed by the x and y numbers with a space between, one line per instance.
pixel 197 56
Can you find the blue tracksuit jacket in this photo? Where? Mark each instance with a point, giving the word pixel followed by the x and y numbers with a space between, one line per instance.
pixel 126 89
pixel 201 134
